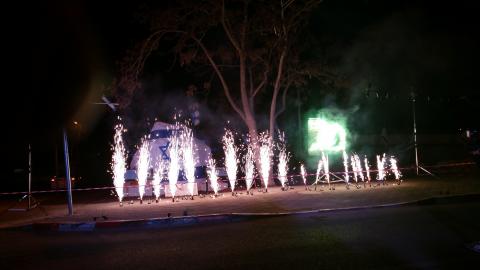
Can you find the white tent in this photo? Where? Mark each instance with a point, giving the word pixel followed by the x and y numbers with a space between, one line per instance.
pixel 159 140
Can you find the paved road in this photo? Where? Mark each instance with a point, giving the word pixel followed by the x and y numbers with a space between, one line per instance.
pixel 413 237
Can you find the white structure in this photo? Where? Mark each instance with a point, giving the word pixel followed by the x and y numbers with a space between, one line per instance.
pixel 159 142
pixel 159 139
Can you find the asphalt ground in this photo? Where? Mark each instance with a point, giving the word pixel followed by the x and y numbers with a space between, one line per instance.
pixel 412 237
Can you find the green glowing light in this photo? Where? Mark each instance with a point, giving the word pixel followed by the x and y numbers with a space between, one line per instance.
pixel 324 135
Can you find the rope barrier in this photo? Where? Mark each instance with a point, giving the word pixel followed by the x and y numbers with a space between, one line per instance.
pixel 242 178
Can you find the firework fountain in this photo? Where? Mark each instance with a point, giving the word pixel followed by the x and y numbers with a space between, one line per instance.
pixel 283 158
pixel 231 160
pixel 394 167
pixel 118 164
pixel 326 169
pixel 266 152
pixel 381 168
pixel 317 175
pixel 181 152
pixel 358 165
pixel 157 178
pixel 249 168
pixel 174 165
pixel 345 165
pixel 186 141
pixel 304 176
pixel 212 175
pixel 367 169
pixel 354 170
pixel 143 164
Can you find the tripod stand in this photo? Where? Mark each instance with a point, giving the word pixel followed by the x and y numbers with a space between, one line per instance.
pixel 32 203
pixel 417 166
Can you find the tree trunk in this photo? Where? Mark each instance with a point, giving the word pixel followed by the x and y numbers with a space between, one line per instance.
pixel 249 116
pixel 276 90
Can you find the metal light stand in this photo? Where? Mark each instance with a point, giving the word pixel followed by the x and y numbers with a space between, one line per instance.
pixel 317 181
pixel 417 166
pixel 335 176
pixel 347 180
pixel 305 183
pixel 32 203
pixel 30 197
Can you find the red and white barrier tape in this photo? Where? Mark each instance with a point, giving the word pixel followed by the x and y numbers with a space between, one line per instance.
pixel 290 176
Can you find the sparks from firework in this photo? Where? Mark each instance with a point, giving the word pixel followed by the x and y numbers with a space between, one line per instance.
pixel 143 164
pixel 345 164
pixel 319 169
pixel 119 165
pixel 249 167
pixel 283 158
pixel 212 175
pixel 174 164
pixel 354 168
pixel 358 165
pixel 304 174
pixel 157 178
pixel 231 160
pixel 326 169
pixel 187 146
pixel 381 167
pixel 266 153
pixel 367 168
pixel 394 166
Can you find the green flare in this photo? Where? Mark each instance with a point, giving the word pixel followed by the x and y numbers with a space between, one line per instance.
pixel 325 135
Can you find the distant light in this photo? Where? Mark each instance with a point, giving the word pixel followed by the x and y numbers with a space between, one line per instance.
pixel 75 122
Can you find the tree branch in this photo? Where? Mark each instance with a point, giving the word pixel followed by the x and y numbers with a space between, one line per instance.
pixel 228 66
pixel 250 77
pixel 276 89
pixel 147 48
pixel 244 25
pixel 220 77
pixel 228 31
pixel 280 71
pixel 261 84
pixel 284 100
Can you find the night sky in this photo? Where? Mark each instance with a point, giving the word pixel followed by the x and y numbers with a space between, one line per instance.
pixel 387 48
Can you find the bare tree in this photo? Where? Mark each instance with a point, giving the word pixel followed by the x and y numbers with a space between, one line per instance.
pixel 259 41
